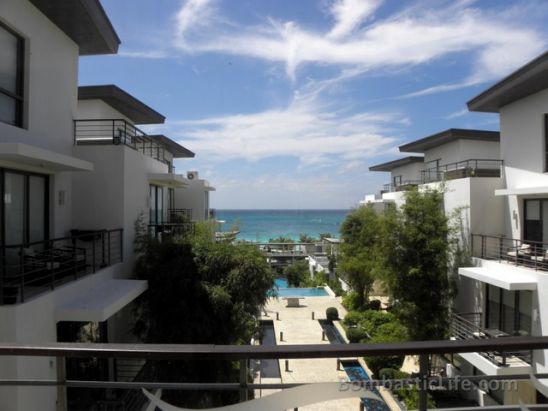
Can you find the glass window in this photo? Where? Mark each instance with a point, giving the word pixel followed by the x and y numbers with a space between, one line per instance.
pixel 11 84
pixel 493 308
pixel 525 309
pixel 37 207
pixel 508 311
pixel 14 208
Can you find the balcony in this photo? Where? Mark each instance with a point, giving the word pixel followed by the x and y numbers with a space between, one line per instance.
pixel 164 231
pixel 521 253
pixel 467 326
pixel 119 132
pixel 462 169
pixel 33 268
pixel 289 395
pixel 401 186
pixel 179 215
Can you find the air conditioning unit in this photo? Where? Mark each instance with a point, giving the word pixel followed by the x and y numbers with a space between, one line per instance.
pixel 192 175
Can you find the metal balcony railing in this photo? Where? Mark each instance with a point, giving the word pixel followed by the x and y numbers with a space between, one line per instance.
pixel 32 268
pixel 466 326
pixel 462 169
pixel 179 215
pixel 119 131
pixel 401 186
pixel 163 231
pixel 524 253
pixel 245 354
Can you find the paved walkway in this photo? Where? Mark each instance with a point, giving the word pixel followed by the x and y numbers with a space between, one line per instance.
pixel 298 328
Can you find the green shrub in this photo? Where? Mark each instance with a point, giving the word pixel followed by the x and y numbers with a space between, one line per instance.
pixel 356 334
pixel 387 373
pixel 351 301
pixel 332 314
pixel 352 318
pixel 374 305
pixel 372 320
pixel 410 397
pixel 377 363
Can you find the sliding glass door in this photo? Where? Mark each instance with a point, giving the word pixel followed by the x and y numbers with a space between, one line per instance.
pixel 156 205
pixel 24 214
pixel 508 312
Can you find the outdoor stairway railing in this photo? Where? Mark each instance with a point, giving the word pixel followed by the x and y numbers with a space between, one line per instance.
pixel 525 253
pixel 246 353
pixel 462 169
pixel 466 326
pixel 36 267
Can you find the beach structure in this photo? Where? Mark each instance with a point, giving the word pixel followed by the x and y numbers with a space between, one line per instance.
pixel 76 174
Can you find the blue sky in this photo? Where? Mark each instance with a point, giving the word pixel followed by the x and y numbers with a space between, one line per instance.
pixel 287 103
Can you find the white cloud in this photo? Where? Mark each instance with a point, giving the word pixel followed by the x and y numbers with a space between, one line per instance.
pixel 457 114
pixel 349 14
pixel 305 129
pixel 411 37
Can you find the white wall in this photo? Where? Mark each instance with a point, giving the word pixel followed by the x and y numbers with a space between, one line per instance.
pixel 98 109
pixel 34 322
pixel 51 79
pixel 115 193
pixel 522 135
pixel 408 172
pixel 461 150
pixel 194 196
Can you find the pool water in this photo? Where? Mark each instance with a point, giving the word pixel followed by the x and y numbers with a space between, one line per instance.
pixel 356 372
pixel 282 287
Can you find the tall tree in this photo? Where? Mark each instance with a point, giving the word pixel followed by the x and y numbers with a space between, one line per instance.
pixel 416 248
pixel 200 292
pixel 358 258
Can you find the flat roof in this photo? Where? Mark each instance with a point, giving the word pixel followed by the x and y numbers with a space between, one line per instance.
pixel 173 147
pixel 120 100
pixel 435 140
pixel 389 166
pixel 84 21
pixel 529 79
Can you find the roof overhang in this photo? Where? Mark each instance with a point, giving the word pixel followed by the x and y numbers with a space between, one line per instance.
pixel 390 165
pixel 521 191
pixel 529 79
pixel 173 147
pixel 447 136
pixel 101 301
pixel 122 101
pixel 26 155
pixel 168 180
pixel 510 278
pixel 84 21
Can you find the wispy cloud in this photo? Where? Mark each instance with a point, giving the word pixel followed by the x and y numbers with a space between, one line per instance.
pixel 305 129
pixel 410 37
pixel 457 114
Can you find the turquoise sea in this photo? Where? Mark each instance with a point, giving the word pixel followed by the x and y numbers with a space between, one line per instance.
pixel 261 225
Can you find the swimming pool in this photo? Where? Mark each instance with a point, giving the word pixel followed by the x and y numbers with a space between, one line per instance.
pixel 283 290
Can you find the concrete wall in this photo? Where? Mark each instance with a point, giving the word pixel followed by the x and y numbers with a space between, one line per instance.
pixel 115 193
pixel 98 109
pixel 194 196
pixel 51 77
pixel 408 172
pixel 461 150
pixel 35 322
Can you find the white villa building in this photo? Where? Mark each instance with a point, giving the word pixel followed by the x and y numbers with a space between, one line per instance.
pixel 75 175
pixel 499 184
